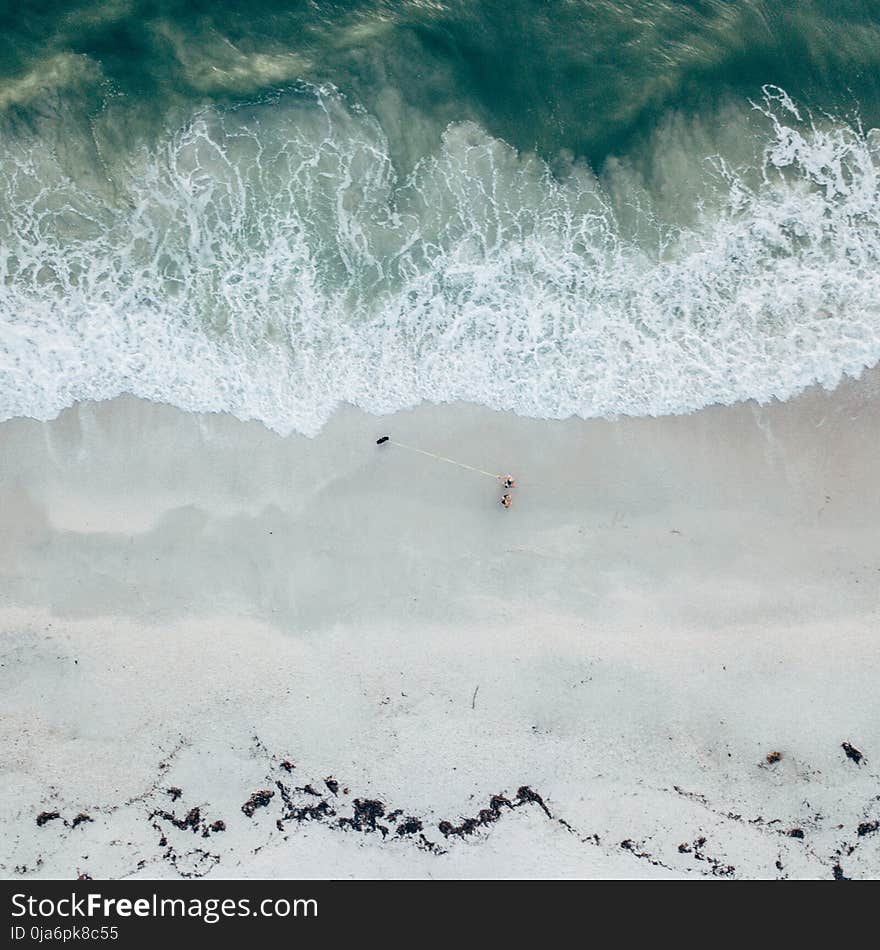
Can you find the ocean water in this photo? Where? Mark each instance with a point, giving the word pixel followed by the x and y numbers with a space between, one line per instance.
pixel 559 208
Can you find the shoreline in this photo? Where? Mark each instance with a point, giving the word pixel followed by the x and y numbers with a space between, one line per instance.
pixel 668 601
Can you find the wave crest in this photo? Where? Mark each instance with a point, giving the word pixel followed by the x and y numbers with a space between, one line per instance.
pixel 269 262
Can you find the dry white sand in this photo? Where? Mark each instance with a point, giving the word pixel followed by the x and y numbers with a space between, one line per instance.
pixel 193 603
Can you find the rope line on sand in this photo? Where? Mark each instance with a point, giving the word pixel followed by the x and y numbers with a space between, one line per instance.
pixel 440 458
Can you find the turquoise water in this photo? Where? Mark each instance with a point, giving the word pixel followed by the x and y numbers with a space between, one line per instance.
pixel 560 208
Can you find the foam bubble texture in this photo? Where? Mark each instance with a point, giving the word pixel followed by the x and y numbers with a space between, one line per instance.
pixel 267 261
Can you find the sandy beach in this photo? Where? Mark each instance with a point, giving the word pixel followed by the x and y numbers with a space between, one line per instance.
pixel 233 654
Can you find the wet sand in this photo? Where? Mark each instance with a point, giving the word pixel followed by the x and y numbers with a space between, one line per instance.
pixel 588 684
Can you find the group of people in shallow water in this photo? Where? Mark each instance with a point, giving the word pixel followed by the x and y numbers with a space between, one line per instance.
pixel 507 498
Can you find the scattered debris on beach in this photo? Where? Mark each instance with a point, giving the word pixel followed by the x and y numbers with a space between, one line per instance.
pixel 320 803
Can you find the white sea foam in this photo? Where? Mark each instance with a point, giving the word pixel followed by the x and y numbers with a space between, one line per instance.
pixel 268 262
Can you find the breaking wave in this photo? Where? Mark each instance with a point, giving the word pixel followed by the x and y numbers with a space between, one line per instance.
pixel 269 260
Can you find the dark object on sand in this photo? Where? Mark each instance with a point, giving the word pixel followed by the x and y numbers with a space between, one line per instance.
pixel 257 800
pixel 384 439
pixel 773 757
pixel 852 752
